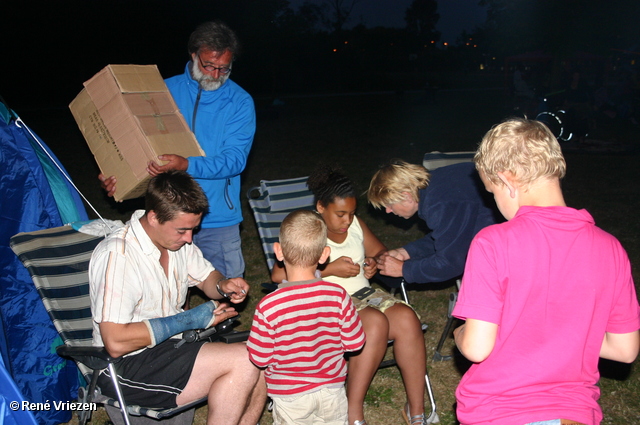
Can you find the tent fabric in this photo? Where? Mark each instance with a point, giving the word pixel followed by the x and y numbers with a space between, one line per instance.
pixel 9 393
pixel 68 207
pixel 28 338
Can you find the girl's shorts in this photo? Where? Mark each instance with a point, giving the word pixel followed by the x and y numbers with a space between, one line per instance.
pixel 375 298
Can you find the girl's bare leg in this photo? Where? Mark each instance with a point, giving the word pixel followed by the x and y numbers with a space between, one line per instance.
pixel 363 366
pixel 410 353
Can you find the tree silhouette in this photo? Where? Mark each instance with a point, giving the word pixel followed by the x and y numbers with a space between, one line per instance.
pixel 421 18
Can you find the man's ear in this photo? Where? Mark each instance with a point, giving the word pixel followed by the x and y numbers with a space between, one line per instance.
pixel 509 181
pixel 325 255
pixel 277 249
pixel 152 218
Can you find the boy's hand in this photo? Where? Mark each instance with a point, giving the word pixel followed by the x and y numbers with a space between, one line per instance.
pixel 342 267
pixel 389 265
pixel 399 253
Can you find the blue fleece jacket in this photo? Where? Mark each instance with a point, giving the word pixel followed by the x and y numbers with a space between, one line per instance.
pixel 455 207
pixel 224 122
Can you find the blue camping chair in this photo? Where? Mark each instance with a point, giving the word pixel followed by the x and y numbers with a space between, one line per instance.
pixel 270 203
pixel 58 261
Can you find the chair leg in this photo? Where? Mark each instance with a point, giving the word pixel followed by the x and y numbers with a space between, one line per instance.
pixel 403 289
pixel 433 416
pixel 437 356
pixel 87 395
pixel 116 384
pixel 83 415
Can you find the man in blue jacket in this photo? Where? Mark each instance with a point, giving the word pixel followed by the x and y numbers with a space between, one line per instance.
pixel 222 117
pixel 453 203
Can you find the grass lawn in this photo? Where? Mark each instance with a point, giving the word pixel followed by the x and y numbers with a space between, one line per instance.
pixel 361 132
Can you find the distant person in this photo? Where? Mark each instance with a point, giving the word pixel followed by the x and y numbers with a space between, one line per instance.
pixel 452 202
pixel 301 331
pixel 354 249
pixel 544 295
pixel 138 278
pixel 222 116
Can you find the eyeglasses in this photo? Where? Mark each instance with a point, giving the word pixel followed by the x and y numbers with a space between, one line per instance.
pixel 224 70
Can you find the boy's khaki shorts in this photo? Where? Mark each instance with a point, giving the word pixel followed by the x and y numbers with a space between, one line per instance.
pixel 327 406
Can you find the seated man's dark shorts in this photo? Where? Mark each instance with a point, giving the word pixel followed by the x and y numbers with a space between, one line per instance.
pixel 154 377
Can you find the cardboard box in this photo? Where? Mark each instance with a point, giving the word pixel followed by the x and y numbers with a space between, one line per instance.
pixel 128 118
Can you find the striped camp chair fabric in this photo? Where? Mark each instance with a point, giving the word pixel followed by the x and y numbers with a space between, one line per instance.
pixel 271 202
pixel 435 159
pixel 58 261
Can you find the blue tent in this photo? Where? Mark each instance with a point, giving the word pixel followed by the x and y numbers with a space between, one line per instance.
pixel 34 195
pixel 9 396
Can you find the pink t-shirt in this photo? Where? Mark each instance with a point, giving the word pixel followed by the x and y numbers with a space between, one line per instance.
pixel 554 283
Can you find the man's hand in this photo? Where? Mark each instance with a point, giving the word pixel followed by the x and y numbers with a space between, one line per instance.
pixel 342 267
pixel 174 162
pixel 223 312
pixel 235 289
pixel 390 265
pixel 108 184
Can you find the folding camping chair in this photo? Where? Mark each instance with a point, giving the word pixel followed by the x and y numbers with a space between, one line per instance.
pixel 270 203
pixel 58 260
pixel 431 161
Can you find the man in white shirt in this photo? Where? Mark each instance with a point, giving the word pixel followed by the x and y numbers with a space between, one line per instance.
pixel 139 277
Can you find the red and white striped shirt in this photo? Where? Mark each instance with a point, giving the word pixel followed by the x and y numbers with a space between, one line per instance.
pixel 300 333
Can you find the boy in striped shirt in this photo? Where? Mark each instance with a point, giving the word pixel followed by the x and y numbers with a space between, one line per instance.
pixel 301 331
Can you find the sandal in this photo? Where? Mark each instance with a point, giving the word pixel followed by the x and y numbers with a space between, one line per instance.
pixel 362 422
pixel 413 420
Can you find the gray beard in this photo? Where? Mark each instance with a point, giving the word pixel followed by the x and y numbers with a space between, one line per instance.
pixel 207 82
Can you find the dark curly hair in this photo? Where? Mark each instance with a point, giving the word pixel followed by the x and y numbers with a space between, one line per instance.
pixel 328 182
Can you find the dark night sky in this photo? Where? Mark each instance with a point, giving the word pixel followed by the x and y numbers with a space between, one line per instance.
pixel 50 48
pixel 455 15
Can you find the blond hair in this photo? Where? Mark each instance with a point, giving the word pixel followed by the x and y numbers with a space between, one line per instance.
pixel 390 181
pixel 303 236
pixel 525 148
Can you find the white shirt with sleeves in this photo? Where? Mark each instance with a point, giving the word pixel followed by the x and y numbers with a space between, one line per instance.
pixel 128 284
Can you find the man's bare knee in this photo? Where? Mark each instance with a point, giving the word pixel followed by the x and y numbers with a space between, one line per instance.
pixel 218 365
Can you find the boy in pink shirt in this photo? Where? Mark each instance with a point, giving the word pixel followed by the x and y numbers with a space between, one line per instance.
pixel 544 294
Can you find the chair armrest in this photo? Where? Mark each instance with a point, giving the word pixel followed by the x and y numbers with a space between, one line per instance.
pixel 97 358
pixel 232 337
pixel 94 358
